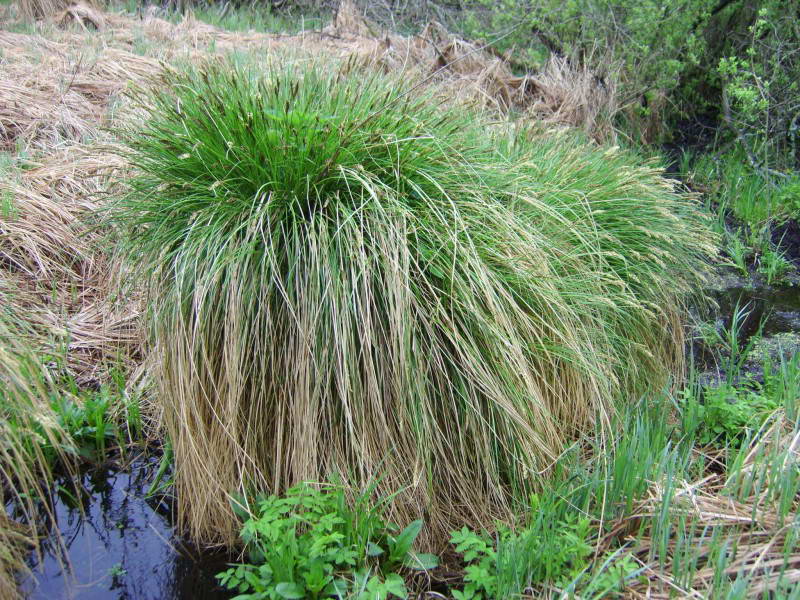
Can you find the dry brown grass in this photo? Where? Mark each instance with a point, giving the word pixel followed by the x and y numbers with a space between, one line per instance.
pixel 62 11
pixel 30 438
pixel 15 543
pixel 742 507
pixel 561 94
pixel 566 94
pixel 55 96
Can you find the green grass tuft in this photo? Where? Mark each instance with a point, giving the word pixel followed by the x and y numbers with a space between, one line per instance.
pixel 346 277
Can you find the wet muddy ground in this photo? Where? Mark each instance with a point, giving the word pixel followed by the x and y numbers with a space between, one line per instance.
pixel 770 316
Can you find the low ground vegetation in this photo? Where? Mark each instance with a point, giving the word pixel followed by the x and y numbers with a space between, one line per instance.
pixel 695 498
pixel 655 486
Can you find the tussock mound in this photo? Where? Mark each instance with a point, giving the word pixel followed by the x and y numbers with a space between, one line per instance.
pixel 346 280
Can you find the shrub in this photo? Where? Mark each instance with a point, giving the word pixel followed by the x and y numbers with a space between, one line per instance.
pixel 759 78
pixel 346 277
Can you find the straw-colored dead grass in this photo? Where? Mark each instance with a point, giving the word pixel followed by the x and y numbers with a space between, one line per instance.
pixel 31 439
pixel 62 11
pixel 15 543
pixel 571 95
pixel 716 502
pixel 55 272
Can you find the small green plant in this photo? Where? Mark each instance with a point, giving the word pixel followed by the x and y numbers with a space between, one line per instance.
pixel 480 574
pixel 550 549
pixel 163 480
pixel 736 346
pixel 311 544
pixel 738 251
pixel 726 413
pixel 89 421
pixel 610 579
pixel 789 197
pixel 782 380
pixel 773 265
pixel 117 571
pixel 370 587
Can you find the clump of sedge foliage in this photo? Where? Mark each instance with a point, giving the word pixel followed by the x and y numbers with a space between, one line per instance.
pixel 312 543
pixel 346 275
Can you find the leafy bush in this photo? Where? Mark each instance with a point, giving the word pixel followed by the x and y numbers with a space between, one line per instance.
pixel 310 544
pixel 347 277
pixel 760 88
pixel 734 61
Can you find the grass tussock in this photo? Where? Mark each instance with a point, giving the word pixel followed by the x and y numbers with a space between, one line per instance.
pixel 346 278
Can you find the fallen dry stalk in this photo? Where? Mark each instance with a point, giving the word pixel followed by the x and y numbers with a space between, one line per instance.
pixel 752 520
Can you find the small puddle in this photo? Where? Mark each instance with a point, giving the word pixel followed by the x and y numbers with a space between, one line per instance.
pixel 123 546
pixel 777 307
pixel 772 311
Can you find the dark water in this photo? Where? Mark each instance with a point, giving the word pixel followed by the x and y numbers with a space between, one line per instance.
pixel 774 309
pixel 123 546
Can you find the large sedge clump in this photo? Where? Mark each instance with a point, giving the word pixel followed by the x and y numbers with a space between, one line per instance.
pixel 348 279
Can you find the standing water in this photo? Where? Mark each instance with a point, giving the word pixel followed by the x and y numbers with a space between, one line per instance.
pixel 122 546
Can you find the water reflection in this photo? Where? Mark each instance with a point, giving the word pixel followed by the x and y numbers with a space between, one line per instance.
pixel 122 547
